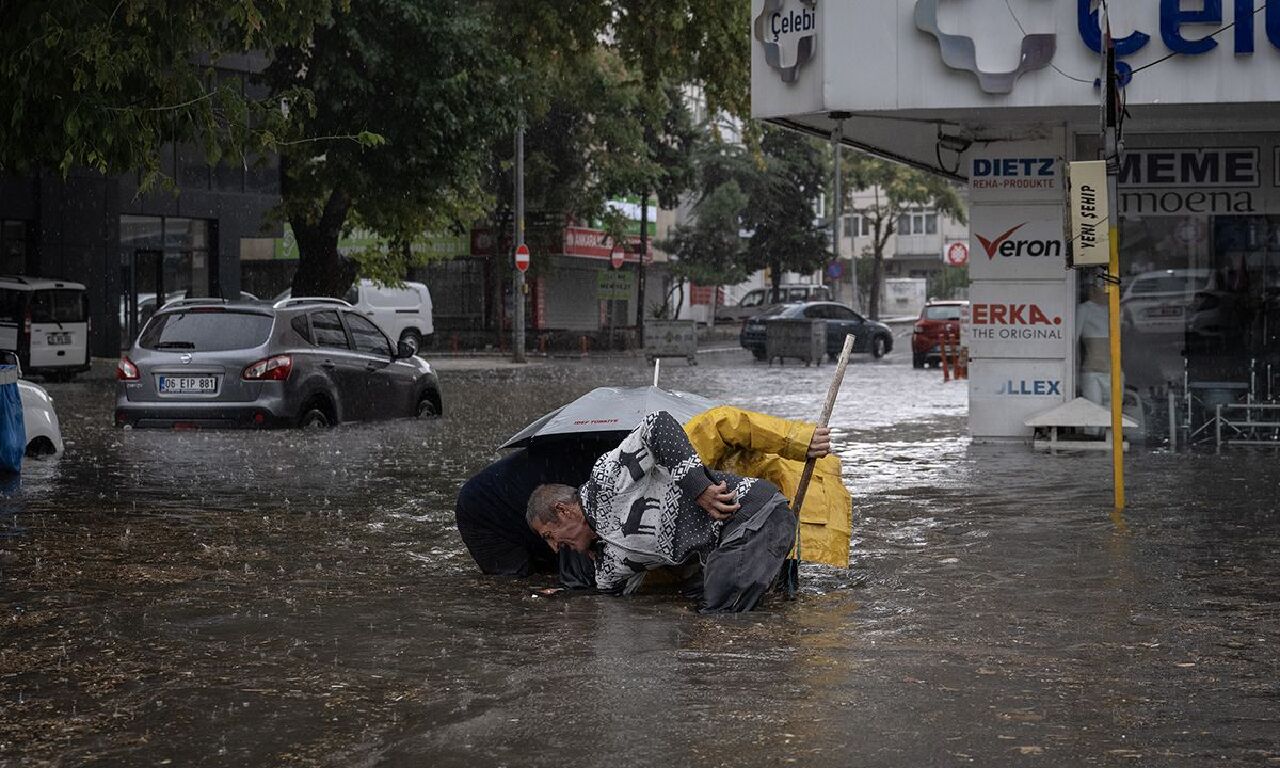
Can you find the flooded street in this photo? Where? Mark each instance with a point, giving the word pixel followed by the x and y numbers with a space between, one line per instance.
pixel 281 598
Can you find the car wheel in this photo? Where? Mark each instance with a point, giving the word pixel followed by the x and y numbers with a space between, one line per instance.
pixel 413 339
pixel 428 406
pixel 917 361
pixel 314 416
pixel 878 347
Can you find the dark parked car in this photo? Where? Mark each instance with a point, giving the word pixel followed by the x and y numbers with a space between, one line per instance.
pixel 869 335
pixel 936 319
pixel 300 362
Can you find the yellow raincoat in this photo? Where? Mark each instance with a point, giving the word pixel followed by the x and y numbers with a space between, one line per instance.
pixel 756 445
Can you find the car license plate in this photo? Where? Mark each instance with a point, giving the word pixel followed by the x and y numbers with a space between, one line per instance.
pixel 1165 312
pixel 188 385
pixel 58 339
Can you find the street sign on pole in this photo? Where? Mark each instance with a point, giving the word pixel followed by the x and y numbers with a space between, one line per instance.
pixel 617 256
pixel 956 254
pixel 522 257
pixel 1090 214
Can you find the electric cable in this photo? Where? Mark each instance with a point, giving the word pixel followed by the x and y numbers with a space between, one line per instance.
pixel 1171 54
pixel 1008 4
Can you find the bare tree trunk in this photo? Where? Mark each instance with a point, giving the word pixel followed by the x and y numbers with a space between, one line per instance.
pixel 877 271
pixel 322 271
pixel 775 282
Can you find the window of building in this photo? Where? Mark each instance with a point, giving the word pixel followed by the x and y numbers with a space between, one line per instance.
pixel 857 226
pixel 918 222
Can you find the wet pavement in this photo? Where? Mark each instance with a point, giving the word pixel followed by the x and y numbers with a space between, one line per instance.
pixel 282 598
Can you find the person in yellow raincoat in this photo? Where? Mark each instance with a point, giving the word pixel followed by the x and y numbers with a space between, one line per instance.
pixel 758 445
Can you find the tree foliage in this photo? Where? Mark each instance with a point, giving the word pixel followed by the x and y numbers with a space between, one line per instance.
pixel 433 80
pixel 786 234
pixel 894 189
pixel 386 112
pixel 753 211
pixel 105 84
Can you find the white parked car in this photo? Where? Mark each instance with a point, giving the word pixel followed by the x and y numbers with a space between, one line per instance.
pixel 1161 301
pixel 44 434
pixel 404 313
pixel 46 322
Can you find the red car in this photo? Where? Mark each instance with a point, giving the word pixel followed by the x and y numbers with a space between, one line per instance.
pixel 938 318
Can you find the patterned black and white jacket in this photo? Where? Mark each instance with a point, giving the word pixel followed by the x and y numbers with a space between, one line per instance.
pixel 642 501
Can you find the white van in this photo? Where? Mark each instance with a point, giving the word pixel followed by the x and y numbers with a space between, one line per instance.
pixel 46 322
pixel 404 313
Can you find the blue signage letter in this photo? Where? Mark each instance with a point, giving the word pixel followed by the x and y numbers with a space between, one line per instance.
pixel 1087 21
pixel 1244 26
pixel 1273 23
pixel 1172 17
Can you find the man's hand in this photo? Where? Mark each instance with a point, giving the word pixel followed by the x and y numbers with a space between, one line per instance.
pixel 718 501
pixel 820 445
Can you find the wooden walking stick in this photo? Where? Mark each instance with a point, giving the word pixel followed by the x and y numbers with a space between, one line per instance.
pixel 823 419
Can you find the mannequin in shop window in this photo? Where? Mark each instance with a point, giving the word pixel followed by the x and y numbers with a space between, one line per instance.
pixel 1093 336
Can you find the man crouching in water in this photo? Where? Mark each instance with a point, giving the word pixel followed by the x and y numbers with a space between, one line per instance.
pixel 651 502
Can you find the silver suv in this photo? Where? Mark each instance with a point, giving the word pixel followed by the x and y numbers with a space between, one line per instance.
pixel 299 362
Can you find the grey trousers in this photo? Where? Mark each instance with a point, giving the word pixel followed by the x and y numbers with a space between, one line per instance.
pixel 741 569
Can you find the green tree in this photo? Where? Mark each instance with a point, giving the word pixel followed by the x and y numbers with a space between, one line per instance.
pixel 753 209
pixel 780 212
pixel 894 189
pixel 709 248
pixel 105 84
pixel 434 81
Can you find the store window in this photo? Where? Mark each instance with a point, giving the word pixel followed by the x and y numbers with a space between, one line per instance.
pixel 1199 319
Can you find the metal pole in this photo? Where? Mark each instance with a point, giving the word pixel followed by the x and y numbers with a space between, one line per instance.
pixel 1111 149
pixel 644 248
pixel 517 330
pixel 1217 426
pixel 837 202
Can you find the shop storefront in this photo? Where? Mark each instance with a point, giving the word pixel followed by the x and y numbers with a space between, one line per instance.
pixel 1001 96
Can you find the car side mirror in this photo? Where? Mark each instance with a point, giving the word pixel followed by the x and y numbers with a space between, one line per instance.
pixel 404 349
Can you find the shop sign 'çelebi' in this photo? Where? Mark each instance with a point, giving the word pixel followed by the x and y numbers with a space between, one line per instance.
pixel 789 31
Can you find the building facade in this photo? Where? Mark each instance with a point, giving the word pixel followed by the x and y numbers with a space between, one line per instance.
pixel 1002 96
pixel 134 249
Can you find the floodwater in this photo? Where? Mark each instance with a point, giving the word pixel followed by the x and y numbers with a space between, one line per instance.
pixel 282 598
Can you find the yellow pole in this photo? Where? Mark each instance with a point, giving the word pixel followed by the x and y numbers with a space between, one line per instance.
pixel 1117 375
pixel 1111 151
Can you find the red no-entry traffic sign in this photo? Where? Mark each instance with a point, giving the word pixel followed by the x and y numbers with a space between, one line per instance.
pixel 616 257
pixel 956 254
pixel 522 257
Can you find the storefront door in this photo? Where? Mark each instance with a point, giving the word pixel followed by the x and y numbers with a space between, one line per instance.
pixel 162 259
